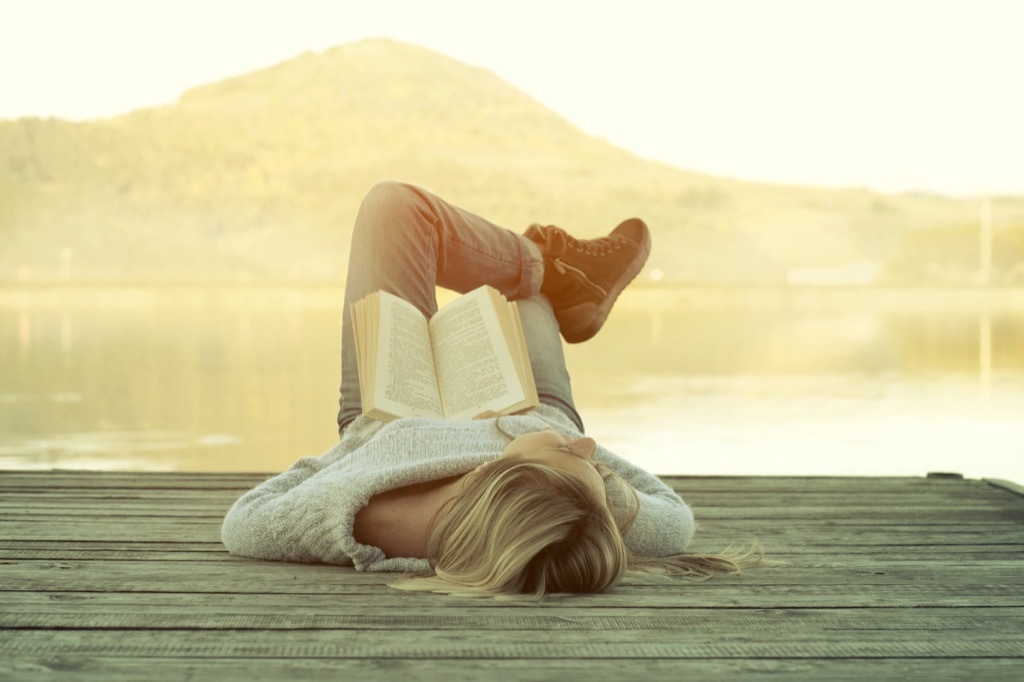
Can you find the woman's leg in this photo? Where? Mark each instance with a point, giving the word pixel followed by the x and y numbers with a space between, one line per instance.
pixel 546 357
pixel 406 241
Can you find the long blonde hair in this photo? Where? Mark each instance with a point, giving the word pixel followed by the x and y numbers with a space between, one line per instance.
pixel 523 528
pixel 528 529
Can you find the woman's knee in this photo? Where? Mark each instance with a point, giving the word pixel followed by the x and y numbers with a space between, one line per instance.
pixel 394 211
pixel 389 199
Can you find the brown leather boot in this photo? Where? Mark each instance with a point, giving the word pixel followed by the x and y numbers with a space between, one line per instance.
pixel 582 278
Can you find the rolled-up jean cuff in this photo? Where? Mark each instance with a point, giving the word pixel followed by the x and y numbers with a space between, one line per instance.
pixel 532 272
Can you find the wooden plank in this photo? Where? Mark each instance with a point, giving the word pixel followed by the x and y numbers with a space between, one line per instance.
pixel 44 482
pixel 734 499
pixel 879 517
pixel 92 668
pixel 214 551
pixel 1017 488
pixel 794 567
pixel 711 535
pixel 213 554
pixel 90 480
pixel 713 596
pixel 854 483
pixel 795 509
pixel 274 603
pixel 129 545
pixel 852 589
pixel 847 516
pixel 50 480
pixel 129 495
pixel 738 495
pixel 184 614
pixel 252 576
pixel 835 534
pixel 558 644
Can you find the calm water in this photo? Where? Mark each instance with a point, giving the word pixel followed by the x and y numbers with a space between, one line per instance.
pixel 247 380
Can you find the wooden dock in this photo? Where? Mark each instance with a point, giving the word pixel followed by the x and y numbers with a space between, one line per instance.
pixel 121 576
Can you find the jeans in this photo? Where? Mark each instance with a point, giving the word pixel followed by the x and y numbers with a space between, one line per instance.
pixel 406 241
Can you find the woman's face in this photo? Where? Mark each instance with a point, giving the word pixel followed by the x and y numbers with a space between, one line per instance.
pixel 571 456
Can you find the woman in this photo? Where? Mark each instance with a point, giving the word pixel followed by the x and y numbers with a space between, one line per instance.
pixel 521 504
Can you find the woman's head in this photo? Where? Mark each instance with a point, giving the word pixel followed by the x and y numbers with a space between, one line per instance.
pixel 534 521
pixel 524 527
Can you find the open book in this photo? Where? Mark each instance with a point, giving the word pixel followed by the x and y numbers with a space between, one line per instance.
pixel 470 357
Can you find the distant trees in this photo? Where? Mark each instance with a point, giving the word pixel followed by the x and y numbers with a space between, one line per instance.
pixel 951 256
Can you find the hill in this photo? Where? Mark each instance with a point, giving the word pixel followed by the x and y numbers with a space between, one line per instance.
pixel 259 177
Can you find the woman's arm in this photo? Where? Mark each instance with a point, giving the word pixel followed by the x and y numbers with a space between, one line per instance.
pixel 663 524
pixel 286 519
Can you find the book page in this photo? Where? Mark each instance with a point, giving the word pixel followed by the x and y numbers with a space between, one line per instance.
pixel 475 370
pixel 405 384
pixel 366 355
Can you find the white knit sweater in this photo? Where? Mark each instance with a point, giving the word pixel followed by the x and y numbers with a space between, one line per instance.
pixel 306 513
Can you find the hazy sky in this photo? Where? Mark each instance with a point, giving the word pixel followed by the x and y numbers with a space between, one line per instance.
pixel 889 94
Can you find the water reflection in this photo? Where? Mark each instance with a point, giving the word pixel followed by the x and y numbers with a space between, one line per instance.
pixel 248 381
pixel 985 352
pixel 730 343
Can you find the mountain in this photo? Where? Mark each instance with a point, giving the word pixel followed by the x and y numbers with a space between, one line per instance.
pixel 259 178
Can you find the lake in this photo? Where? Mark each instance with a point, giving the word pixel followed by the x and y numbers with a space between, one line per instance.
pixel 681 381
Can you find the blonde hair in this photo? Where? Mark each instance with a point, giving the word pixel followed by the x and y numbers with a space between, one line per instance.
pixel 528 529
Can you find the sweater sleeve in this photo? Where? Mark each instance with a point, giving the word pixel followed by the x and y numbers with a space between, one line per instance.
pixel 307 513
pixel 280 520
pixel 664 523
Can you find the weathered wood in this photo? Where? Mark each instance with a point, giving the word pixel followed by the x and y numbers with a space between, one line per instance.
pixel 714 534
pixel 844 515
pixel 88 668
pixel 758 596
pixel 346 615
pixel 1010 486
pixel 160 576
pixel 113 576
pixel 50 480
pixel 213 551
pixel 536 644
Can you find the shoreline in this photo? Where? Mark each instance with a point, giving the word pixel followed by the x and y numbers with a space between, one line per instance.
pixel 780 298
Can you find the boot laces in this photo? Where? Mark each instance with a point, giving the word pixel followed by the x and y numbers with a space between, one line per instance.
pixel 557 241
